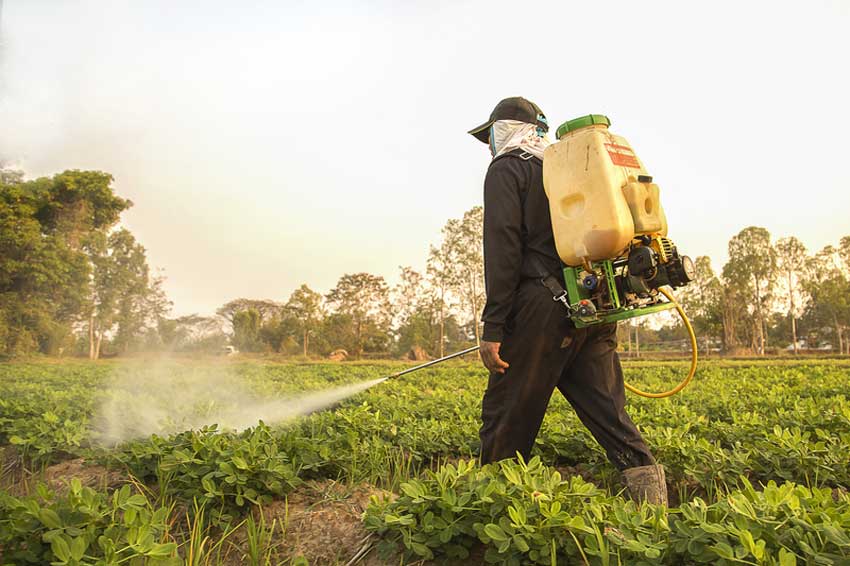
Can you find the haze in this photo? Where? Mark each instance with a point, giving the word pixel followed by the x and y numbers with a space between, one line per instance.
pixel 269 144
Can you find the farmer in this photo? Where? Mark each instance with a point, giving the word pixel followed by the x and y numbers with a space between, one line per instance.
pixel 529 344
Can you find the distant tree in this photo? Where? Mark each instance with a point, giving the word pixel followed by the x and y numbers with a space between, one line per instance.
pixel 192 333
pixel 734 307
pixel 751 269
pixel 439 277
pixel 305 306
pixel 791 259
pixel 828 287
pixel 464 258
pixel 364 298
pixel 246 330
pixel 414 319
pixel 9 176
pixel 266 309
pixel 279 333
pixel 124 296
pixel 336 331
pixel 703 300
pixel 844 253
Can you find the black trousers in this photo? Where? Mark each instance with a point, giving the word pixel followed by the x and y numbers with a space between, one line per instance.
pixel 546 352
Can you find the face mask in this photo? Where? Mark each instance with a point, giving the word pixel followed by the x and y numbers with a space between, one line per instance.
pixel 508 135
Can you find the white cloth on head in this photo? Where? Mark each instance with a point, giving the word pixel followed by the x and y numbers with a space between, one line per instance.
pixel 508 135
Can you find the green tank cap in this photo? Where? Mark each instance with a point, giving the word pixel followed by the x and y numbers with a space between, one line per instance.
pixel 589 120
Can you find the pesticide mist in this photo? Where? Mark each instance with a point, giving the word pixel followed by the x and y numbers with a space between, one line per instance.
pixel 166 398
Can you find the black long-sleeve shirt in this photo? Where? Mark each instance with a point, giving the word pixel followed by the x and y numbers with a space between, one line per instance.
pixel 516 225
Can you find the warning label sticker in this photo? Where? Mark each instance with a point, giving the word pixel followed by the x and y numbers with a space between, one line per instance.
pixel 622 155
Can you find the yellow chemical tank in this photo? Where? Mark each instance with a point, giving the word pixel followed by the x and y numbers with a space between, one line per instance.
pixel 600 194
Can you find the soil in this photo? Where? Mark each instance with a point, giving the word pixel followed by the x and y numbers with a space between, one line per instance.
pixel 322 521
pixel 10 467
pixel 59 476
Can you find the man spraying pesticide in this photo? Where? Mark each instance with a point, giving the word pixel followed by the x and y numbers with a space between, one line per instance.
pixel 574 241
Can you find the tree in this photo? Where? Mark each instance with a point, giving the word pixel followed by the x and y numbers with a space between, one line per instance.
pixel 791 258
pixel 703 301
pixel 828 287
pixel 751 269
pixel 844 252
pixel 440 278
pixel 10 176
pixel 365 299
pixel 305 305
pixel 124 296
pixel 464 258
pixel 77 204
pixel 266 309
pixel 246 330
pixel 48 225
pixel 192 333
pixel 280 332
pixel 412 311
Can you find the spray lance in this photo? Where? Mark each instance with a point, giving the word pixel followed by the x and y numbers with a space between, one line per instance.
pixel 611 235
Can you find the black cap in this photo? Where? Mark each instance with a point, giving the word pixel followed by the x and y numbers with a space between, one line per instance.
pixel 513 108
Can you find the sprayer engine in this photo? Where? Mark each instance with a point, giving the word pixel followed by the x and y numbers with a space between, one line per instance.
pixel 627 286
pixel 652 263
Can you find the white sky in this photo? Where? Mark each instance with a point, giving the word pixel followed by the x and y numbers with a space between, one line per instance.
pixel 267 144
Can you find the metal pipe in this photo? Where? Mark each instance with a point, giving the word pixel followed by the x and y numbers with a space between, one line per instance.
pixel 433 362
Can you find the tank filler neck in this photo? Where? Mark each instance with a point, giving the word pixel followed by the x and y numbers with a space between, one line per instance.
pixel 599 120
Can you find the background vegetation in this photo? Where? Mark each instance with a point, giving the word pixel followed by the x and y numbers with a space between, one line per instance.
pixel 73 282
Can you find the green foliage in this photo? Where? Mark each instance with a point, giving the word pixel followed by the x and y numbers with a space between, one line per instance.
pixel 752 271
pixel 232 470
pixel 828 286
pixel 246 330
pixel 84 527
pixel 125 296
pixel 60 265
pixel 305 306
pixel 527 514
pixel 361 303
pixel 780 426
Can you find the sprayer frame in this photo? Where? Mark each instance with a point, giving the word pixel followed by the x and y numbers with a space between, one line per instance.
pixel 576 294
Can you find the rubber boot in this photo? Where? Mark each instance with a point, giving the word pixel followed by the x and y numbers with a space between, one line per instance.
pixel 647 483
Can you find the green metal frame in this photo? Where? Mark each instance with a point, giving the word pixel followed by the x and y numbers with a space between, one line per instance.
pixel 576 294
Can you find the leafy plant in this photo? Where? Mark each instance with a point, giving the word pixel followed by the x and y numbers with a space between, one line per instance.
pixel 84 527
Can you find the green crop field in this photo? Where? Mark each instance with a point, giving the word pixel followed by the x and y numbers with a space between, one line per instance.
pixel 757 457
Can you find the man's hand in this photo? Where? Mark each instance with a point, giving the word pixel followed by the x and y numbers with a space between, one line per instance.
pixel 490 357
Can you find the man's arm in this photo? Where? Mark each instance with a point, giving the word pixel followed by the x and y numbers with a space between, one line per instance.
pixel 502 243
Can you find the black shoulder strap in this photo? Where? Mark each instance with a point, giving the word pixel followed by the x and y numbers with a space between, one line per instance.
pixel 520 153
pixel 550 281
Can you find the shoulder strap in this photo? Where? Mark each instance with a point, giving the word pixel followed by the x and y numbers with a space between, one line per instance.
pixel 550 281
pixel 520 153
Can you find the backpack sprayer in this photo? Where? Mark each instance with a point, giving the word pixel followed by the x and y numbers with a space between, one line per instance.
pixel 610 233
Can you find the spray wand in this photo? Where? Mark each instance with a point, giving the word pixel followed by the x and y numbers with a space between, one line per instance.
pixel 432 362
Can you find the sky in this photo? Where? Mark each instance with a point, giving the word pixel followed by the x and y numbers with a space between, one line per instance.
pixel 269 144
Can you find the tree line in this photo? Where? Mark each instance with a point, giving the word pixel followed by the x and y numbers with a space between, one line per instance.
pixel 773 295
pixel 426 314
pixel 72 282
